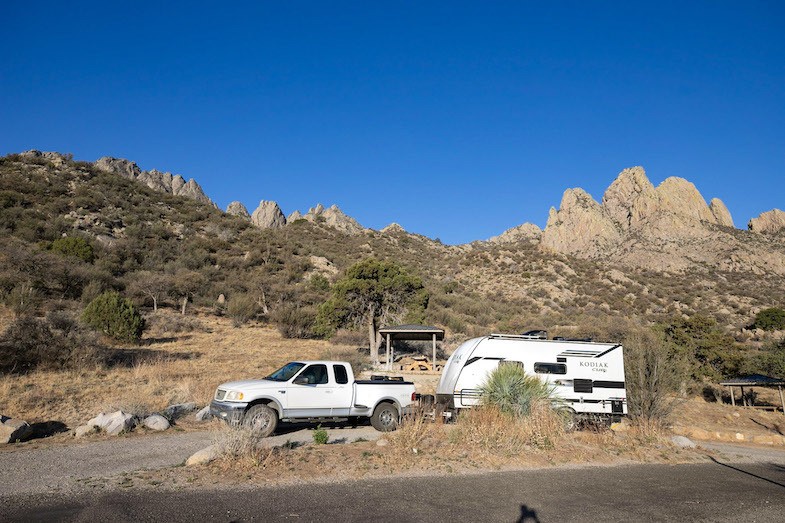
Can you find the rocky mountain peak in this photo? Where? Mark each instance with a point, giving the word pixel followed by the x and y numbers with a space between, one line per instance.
pixel 238 209
pixel 154 179
pixel 630 198
pixel 580 225
pixel 393 228
pixel 268 215
pixel 57 159
pixel 332 216
pixel 680 197
pixel 769 222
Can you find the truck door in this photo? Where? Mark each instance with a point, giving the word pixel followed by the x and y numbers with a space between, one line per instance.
pixel 343 393
pixel 310 394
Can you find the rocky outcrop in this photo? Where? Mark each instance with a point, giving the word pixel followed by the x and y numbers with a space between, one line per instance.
pixel 57 159
pixel 332 216
pixel 238 209
pixel 113 423
pixel 580 225
pixel 154 179
pixel 720 212
pixel 296 215
pixel 393 228
pixel 268 215
pixel 630 199
pixel 769 222
pixel 527 232
pixel 13 430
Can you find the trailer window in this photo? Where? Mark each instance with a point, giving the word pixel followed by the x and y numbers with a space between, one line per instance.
pixel 550 368
pixel 340 374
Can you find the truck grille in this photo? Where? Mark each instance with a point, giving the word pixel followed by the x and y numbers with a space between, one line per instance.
pixel 220 394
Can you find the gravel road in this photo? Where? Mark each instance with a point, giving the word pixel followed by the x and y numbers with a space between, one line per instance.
pixel 62 469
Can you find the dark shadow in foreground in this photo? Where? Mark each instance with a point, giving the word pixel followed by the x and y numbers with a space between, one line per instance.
pixel 747 473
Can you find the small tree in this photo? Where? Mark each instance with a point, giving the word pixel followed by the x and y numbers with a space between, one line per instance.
pixel 185 285
pixel 373 292
pixel 152 285
pixel 115 316
pixel 242 308
pixel 771 319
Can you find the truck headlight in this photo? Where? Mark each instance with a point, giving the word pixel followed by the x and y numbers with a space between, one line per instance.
pixel 234 395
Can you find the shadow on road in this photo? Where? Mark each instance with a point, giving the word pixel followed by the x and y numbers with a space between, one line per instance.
pixel 747 473
pixel 528 515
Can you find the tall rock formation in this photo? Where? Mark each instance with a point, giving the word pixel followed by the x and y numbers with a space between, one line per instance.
pixel 720 212
pixel 580 226
pixel 238 209
pixel 630 199
pixel 268 215
pixel 769 222
pixel 154 179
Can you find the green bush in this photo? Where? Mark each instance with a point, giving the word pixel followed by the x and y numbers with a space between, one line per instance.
pixel 513 391
pixel 74 246
pixel 320 436
pixel 771 319
pixel 115 316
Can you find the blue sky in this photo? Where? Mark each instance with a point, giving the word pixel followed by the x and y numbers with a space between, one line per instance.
pixel 456 120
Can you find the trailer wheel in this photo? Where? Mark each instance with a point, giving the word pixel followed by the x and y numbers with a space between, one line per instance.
pixel 261 419
pixel 385 417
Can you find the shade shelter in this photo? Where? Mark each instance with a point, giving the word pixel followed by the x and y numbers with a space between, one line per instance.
pixel 754 380
pixel 410 333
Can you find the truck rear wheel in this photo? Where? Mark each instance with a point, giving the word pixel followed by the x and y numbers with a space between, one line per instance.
pixel 261 419
pixel 385 417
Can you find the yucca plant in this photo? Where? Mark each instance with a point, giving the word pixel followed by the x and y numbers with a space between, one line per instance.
pixel 513 391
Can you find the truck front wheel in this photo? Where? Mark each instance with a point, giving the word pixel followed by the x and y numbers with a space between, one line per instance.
pixel 385 417
pixel 261 419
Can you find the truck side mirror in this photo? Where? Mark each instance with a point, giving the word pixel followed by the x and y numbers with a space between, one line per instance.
pixel 300 380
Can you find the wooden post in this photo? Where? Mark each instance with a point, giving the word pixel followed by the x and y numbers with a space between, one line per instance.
pixel 389 353
pixel 732 396
pixel 743 399
pixel 434 352
pixel 782 401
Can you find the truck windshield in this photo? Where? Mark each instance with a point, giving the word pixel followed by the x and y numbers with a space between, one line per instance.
pixel 286 372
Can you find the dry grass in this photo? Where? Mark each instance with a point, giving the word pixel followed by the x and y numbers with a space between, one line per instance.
pixel 167 368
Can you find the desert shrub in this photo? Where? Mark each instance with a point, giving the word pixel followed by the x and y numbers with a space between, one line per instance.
pixel 242 308
pixel 711 352
pixel 294 321
pixel 513 391
pixel 115 316
pixel 92 290
pixel 770 361
pixel 771 319
pixel 57 342
pixel 654 373
pixel 74 246
pixel 173 324
pixel 23 299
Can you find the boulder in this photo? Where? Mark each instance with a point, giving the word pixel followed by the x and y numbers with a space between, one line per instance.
pixel 156 422
pixel 83 430
pixel 204 456
pixel 177 410
pixel 683 442
pixel 114 423
pixel 204 414
pixel 13 430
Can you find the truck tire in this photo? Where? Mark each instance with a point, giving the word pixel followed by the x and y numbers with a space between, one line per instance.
pixel 261 419
pixel 385 417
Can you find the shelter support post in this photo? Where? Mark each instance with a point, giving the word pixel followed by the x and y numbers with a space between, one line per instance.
pixel 434 352
pixel 389 353
pixel 732 396
pixel 782 400
pixel 743 399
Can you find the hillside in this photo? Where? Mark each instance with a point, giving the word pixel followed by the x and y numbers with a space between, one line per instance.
pixel 644 254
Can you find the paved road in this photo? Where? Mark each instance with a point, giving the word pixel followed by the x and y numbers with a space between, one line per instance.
pixel 704 492
pixel 25 470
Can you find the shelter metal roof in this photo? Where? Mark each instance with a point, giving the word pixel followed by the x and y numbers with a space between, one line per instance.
pixel 412 332
pixel 754 380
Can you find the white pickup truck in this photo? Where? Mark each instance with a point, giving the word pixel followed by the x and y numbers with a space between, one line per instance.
pixel 312 391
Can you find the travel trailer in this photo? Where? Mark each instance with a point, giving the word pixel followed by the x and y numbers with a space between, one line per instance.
pixel 587 377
